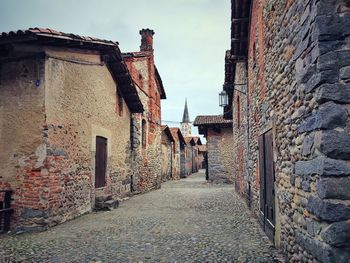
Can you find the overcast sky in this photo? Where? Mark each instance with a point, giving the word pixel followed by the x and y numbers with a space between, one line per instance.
pixel 190 39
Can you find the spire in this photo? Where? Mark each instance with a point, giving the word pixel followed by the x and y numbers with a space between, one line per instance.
pixel 186 117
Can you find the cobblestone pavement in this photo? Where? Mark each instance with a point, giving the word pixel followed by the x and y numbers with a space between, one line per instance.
pixel 185 221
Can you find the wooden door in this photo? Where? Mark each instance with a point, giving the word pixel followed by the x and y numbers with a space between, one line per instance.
pixel 100 162
pixel 267 182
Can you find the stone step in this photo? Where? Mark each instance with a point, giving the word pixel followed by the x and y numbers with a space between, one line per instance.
pixel 107 205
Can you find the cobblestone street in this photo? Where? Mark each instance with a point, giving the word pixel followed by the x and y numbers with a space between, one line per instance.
pixel 185 221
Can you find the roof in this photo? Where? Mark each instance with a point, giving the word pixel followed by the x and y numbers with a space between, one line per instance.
pixel 209 120
pixel 167 131
pixel 159 83
pixel 240 13
pixel 197 140
pixel 240 19
pixel 189 140
pixel 109 50
pixel 186 117
pixel 176 132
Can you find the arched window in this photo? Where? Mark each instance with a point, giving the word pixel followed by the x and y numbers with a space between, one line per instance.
pixel 144 134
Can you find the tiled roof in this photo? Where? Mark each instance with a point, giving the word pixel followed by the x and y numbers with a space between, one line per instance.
pixel 211 120
pixel 197 140
pixel 37 31
pixel 189 140
pixel 109 49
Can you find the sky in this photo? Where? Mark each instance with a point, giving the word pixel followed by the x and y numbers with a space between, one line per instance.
pixel 190 40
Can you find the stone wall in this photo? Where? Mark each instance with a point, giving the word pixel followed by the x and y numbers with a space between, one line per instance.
pixel 188 158
pixel 176 155
pixel 166 157
pixel 183 161
pixel 220 152
pixel 52 166
pixel 298 86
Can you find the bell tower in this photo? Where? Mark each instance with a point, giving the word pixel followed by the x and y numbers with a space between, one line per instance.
pixel 186 126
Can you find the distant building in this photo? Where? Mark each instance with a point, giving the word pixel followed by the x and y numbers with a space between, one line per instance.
pixel 186 125
pixel 196 163
pixel 168 153
pixel 179 154
pixel 218 133
pixel 202 156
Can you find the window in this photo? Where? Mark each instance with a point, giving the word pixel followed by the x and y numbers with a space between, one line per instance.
pixel 143 134
pixel 120 102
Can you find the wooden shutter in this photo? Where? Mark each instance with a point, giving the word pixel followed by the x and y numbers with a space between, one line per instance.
pixel 100 162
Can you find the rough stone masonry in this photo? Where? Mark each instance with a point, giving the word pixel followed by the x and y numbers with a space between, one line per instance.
pixel 298 74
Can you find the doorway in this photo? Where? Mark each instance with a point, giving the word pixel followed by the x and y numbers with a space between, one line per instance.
pixel 100 162
pixel 267 182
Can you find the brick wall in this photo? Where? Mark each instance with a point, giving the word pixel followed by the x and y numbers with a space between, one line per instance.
pixel 147 157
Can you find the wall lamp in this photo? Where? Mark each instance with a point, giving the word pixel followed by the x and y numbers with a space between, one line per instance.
pixel 223 96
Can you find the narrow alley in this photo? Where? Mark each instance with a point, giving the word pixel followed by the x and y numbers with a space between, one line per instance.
pixel 185 221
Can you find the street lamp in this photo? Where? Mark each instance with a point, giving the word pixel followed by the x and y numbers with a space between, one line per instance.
pixel 223 98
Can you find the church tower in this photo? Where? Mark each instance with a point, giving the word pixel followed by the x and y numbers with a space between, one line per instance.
pixel 186 126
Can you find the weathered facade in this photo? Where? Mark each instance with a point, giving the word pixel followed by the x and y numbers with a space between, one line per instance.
pixel 147 126
pixel 218 133
pixel 179 154
pixel 291 122
pixel 168 153
pixel 196 163
pixel 66 103
pixel 189 155
pixel 202 155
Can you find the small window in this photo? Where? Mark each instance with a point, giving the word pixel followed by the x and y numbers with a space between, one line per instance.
pixel 144 134
pixel 120 102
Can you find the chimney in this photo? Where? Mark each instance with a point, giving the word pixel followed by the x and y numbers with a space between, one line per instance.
pixel 146 39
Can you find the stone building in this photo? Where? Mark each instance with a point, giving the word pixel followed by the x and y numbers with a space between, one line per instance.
pixel 218 133
pixel 190 144
pixel 202 153
pixel 196 162
pixel 288 86
pixel 179 154
pixel 65 108
pixel 147 124
pixel 168 153
pixel 202 156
